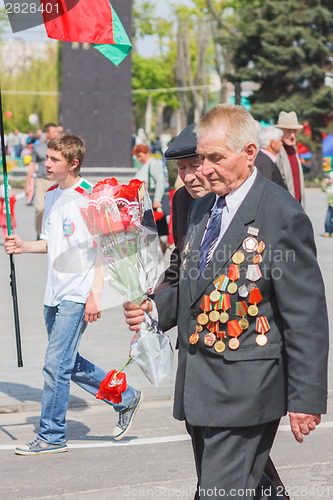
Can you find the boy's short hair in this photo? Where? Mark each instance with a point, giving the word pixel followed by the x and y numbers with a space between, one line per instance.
pixel 71 146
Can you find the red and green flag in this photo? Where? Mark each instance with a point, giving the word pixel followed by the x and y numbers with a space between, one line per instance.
pixel 84 21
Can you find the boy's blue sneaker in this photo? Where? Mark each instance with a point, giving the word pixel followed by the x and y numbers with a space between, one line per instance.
pixel 38 447
pixel 126 417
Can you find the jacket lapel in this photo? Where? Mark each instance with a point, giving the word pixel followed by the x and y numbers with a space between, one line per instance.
pixel 232 239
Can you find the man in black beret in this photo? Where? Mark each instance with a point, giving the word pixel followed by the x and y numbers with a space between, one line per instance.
pixel 182 150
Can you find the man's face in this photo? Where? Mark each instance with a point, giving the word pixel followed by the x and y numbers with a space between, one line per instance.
pixel 276 145
pixel 57 167
pixel 289 136
pixel 51 133
pixel 190 172
pixel 226 170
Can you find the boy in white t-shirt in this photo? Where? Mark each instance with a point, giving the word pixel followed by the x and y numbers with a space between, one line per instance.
pixel 72 298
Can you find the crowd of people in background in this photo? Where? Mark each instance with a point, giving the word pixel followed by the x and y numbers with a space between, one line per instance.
pixel 277 159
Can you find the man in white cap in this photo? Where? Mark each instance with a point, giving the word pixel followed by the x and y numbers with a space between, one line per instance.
pixel 288 160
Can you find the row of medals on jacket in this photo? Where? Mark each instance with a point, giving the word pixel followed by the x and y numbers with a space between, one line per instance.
pixel 216 305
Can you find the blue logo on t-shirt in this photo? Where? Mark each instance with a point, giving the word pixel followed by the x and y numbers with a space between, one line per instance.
pixel 68 227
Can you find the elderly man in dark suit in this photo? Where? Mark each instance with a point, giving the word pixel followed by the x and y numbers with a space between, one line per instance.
pixel 183 151
pixel 270 143
pixel 249 297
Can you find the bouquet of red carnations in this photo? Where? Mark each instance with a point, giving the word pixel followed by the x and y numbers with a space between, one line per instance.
pixel 121 221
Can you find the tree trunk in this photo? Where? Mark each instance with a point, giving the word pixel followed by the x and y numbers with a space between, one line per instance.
pixel 149 115
pixel 317 163
pixel 238 91
pixel 181 79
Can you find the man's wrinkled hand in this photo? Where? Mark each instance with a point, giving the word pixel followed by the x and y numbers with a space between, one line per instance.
pixel 302 424
pixel 134 314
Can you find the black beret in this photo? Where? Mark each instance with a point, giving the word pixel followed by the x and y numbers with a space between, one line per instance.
pixel 184 145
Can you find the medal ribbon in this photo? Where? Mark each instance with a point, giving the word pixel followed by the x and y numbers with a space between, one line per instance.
pixel 233 273
pixel 241 308
pixel 255 296
pixel 224 303
pixel 205 303
pixel 262 325
pixel 253 272
pixel 213 326
pixel 234 330
pixel 220 335
pixel 214 306
pixel 221 283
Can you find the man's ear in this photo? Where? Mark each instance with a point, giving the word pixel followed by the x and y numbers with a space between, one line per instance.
pixel 251 151
pixel 75 163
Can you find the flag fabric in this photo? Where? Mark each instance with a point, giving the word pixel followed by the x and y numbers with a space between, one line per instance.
pixel 84 21
pixel 122 45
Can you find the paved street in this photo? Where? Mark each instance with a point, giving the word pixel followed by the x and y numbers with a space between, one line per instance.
pixel 155 460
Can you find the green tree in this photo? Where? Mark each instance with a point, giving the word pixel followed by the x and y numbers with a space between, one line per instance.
pixel 225 20
pixel 287 48
pixel 41 76
pixel 185 52
pixel 152 72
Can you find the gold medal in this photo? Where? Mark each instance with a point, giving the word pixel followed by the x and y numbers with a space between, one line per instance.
pixel 184 263
pixel 261 339
pixel 253 310
pixel 261 247
pixel 224 317
pixel 238 257
pixel 233 343
pixel 243 323
pixel 219 346
pixel 203 319
pixel 194 338
pixel 232 288
pixel 215 296
pixel 214 316
pixel 209 339
pixel 198 328
pixel 257 259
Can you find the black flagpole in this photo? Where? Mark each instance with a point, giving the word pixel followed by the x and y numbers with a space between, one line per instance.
pixel 9 228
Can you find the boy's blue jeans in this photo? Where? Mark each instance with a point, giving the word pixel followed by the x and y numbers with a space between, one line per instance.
pixel 329 220
pixel 65 325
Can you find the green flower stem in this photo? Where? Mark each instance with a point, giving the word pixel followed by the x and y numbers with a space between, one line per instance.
pixel 128 362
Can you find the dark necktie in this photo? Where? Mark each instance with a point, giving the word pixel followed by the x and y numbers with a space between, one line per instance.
pixel 212 233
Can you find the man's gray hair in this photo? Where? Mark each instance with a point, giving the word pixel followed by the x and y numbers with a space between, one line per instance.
pixel 268 134
pixel 236 123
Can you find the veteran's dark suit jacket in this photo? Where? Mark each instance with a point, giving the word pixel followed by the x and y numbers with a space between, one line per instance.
pixel 269 169
pixel 181 203
pixel 253 384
